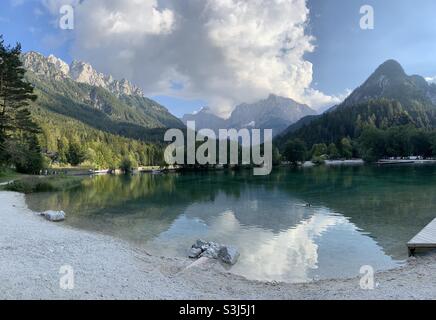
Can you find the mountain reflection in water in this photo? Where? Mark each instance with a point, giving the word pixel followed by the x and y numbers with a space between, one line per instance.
pixel 359 216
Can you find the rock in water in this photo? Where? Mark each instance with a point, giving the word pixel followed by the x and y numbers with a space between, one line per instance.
pixel 229 255
pixel 54 216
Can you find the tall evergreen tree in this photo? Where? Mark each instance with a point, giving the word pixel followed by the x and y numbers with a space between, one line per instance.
pixel 17 129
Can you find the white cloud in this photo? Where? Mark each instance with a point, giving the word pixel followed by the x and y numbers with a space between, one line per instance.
pixel 224 51
pixel 431 79
pixel 318 100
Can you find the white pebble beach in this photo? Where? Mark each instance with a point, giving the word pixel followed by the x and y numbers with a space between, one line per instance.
pixel 32 251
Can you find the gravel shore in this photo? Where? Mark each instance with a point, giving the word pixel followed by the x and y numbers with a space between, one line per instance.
pixel 32 252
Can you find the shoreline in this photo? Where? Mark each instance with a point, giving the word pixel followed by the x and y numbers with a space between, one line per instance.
pixel 33 250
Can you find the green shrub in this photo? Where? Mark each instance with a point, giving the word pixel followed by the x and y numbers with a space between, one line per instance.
pixel 43 184
pixel 127 164
pixel 318 161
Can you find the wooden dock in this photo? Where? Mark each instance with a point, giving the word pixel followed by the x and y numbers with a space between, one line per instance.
pixel 426 239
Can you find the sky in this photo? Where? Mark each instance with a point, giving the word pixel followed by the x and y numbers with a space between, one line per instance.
pixel 220 53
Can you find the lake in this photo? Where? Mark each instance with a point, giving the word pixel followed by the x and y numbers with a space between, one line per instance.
pixel 358 216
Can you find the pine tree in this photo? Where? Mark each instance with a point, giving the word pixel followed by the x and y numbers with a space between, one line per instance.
pixel 17 129
pixel 76 154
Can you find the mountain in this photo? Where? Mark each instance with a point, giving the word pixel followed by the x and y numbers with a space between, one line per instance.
pixel 205 118
pixel 80 92
pixel 275 113
pixel 390 81
pixel 90 118
pixel 78 71
pixel 389 97
pixel 84 73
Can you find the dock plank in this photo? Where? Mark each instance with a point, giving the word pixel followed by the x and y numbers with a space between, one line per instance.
pixel 426 238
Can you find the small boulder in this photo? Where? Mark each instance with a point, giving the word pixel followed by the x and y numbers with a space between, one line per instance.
pixel 200 244
pixel 229 255
pixel 54 216
pixel 194 253
pixel 211 251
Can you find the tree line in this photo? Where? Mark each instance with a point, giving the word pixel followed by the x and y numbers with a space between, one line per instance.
pixel 296 150
pixel 371 145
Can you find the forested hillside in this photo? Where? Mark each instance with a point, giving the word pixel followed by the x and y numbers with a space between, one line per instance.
pixel 68 141
pixel 349 121
pixel 389 102
pixel 90 125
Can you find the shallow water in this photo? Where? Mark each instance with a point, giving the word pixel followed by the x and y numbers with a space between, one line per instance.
pixel 358 216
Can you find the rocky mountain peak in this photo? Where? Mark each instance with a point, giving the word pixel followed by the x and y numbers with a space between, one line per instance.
pixel 389 72
pixel 49 67
pixel 83 72
pixel 390 81
pixel 274 112
pixel 204 110
pixel 78 71
pixel 390 68
pixel 61 65
pixel 274 97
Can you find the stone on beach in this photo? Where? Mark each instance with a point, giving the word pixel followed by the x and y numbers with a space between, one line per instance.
pixel 195 253
pixel 54 216
pixel 213 250
pixel 229 255
pixel 200 244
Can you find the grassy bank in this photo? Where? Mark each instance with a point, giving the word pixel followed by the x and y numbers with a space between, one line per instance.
pixel 43 184
pixel 9 175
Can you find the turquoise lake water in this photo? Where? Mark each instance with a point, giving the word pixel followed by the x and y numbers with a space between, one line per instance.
pixel 358 216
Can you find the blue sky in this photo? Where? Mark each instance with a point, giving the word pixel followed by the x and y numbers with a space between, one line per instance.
pixel 343 58
pixel 405 30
